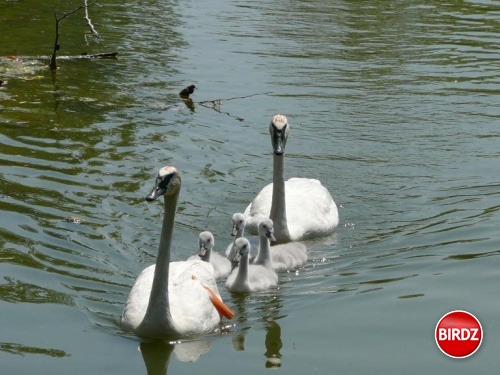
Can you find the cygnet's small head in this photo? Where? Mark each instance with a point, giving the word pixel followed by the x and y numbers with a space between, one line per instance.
pixel 242 247
pixel 266 229
pixel 206 241
pixel 239 223
pixel 279 129
pixel 167 182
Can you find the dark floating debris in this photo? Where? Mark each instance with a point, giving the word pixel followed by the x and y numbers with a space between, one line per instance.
pixel 106 55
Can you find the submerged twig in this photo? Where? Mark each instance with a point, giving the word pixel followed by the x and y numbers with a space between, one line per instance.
pixel 218 101
pixel 215 104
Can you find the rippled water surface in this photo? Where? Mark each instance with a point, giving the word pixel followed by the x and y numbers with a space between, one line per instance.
pixel 393 105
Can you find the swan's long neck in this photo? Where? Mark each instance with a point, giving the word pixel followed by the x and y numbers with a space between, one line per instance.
pixel 207 256
pixel 238 234
pixel 242 276
pixel 264 256
pixel 278 205
pixel 158 311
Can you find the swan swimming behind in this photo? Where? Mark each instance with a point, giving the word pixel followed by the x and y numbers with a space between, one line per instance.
pixel 284 256
pixel 222 265
pixel 300 208
pixel 239 222
pixel 173 299
pixel 248 277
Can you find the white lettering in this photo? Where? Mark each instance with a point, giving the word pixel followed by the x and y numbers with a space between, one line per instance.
pixel 459 334
pixel 474 332
pixel 442 334
pixel 465 334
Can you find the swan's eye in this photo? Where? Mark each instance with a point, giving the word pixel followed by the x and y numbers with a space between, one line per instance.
pixel 164 181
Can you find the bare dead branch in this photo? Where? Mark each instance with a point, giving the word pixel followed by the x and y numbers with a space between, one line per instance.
pixel 89 21
pixel 53 64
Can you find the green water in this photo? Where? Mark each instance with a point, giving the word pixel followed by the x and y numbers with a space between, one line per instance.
pixel 393 105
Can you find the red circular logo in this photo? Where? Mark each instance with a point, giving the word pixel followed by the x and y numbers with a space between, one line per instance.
pixel 459 334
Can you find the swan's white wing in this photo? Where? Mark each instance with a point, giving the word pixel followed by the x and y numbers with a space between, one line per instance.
pixel 310 209
pixel 222 265
pixel 190 305
pixel 259 278
pixel 289 255
pixel 259 209
pixel 138 299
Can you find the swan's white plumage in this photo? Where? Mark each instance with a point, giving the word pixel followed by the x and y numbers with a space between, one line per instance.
pixel 310 209
pixel 278 257
pixel 170 299
pixel 222 265
pixel 186 295
pixel 247 277
pixel 301 208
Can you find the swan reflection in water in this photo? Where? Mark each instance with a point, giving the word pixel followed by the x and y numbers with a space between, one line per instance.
pixel 269 309
pixel 265 309
pixel 273 345
pixel 156 354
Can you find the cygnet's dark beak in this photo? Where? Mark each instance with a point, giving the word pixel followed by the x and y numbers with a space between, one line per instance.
pixel 270 237
pixel 203 251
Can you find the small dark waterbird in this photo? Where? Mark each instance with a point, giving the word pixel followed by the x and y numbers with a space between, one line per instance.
pixel 187 91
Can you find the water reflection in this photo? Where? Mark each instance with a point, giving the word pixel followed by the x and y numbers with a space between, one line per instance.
pixel 157 354
pixel 273 344
pixel 188 102
pixel 14 348
pixel 240 307
pixel 269 308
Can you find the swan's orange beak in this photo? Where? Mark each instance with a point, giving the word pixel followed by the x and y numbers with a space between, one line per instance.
pixel 219 304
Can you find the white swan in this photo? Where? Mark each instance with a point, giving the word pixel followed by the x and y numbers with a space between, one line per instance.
pixel 222 265
pixel 239 222
pixel 284 256
pixel 173 299
pixel 309 210
pixel 248 277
